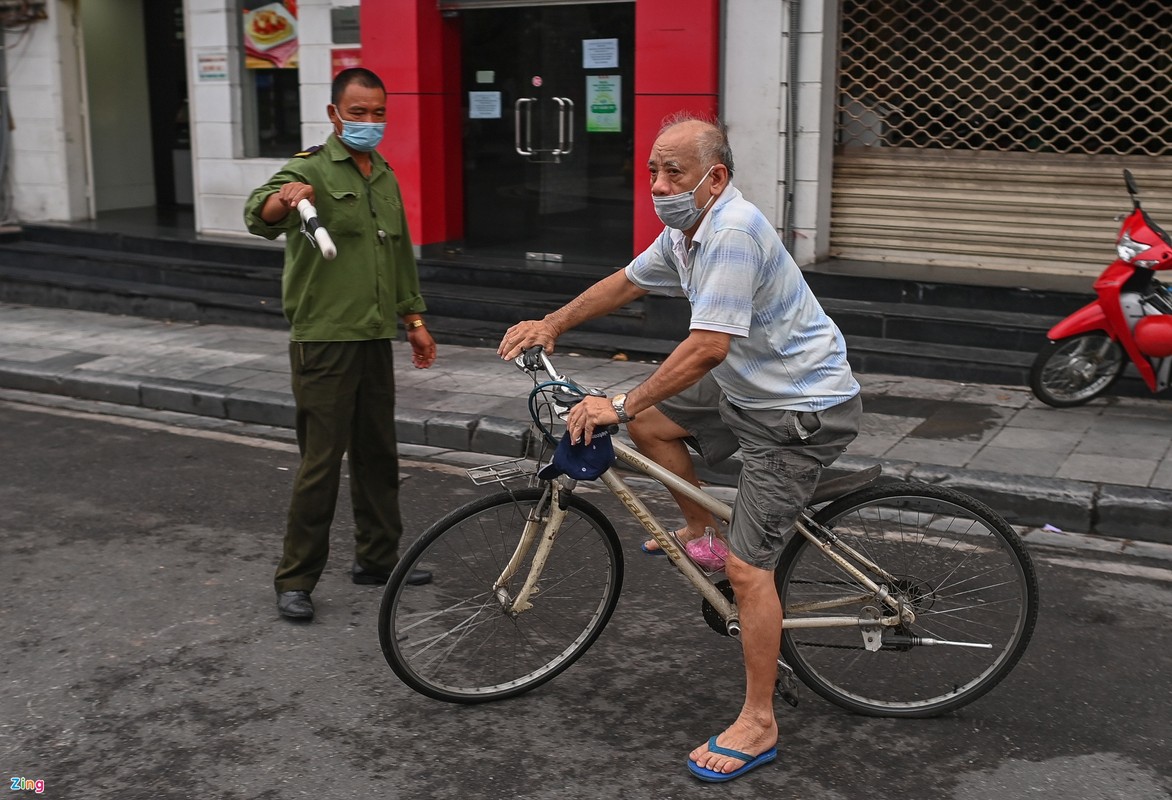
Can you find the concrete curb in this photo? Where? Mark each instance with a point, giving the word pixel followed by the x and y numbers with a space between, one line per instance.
pixel 1102 508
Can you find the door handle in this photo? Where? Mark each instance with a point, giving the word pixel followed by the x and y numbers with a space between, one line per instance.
pixel 527 103
pixel 565 108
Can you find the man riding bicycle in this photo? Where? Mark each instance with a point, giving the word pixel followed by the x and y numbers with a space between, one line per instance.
pixel 763 369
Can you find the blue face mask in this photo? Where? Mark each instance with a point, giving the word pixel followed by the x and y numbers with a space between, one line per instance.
pixel 362 136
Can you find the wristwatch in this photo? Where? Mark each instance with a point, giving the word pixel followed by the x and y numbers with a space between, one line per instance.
pixel 619 404
pixel 413 324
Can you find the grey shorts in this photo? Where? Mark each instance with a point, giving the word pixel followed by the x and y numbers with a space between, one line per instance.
pixel 697 410
pixel 783 453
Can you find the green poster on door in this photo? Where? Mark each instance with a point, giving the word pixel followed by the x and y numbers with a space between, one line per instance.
pixel 603 101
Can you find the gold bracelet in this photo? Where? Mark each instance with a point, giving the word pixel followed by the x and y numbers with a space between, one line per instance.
pixel 413 324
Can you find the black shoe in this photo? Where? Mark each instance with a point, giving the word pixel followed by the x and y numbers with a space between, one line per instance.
pixel 372 577
pixel 295 604
pixel 418 577
pixel 368 577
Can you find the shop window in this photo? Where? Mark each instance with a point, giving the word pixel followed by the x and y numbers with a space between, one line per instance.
pixel 271 79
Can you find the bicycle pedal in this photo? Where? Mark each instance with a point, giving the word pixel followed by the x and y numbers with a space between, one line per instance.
pixel 786 684
pixel 787 694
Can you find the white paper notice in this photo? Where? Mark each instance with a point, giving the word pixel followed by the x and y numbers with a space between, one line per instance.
pixel 212 66
pixel 484 105
pixel 600 53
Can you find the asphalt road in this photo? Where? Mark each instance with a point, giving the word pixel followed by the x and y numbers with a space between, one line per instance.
pixel 143 657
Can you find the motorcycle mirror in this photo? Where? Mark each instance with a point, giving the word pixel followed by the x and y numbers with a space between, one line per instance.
pixel 1132 189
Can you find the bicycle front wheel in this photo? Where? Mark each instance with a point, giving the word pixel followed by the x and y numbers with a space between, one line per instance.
pixel 952 559
pixel 456 639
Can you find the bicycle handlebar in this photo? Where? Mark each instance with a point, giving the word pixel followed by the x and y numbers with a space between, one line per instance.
pixel 534 359
pixel 316 231
pixel 561 392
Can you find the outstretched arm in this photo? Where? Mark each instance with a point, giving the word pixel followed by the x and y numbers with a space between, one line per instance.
pixel 278 204
pixel 607 295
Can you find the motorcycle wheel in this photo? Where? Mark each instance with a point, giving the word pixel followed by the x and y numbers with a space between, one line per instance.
pixel 1069 372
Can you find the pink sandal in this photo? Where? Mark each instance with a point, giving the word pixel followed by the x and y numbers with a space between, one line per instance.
pixel 708 551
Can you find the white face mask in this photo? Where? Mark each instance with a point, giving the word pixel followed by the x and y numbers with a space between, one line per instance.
pixel 679 211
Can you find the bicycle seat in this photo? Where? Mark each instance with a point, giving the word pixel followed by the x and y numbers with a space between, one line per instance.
pixel 837 487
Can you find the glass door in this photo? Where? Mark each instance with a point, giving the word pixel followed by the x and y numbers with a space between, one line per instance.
pixel 548 95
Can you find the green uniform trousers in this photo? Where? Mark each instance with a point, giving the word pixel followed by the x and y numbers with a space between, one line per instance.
pixel 345 395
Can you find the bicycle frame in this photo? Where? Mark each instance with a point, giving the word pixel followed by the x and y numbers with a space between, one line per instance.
pixel 727 611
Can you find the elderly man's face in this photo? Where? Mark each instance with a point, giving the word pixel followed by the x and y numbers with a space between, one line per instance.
pixel 675 165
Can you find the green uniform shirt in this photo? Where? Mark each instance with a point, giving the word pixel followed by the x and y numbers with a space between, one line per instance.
pixel 374 280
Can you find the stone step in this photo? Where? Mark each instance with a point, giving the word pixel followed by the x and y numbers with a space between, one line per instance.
pixel 900 326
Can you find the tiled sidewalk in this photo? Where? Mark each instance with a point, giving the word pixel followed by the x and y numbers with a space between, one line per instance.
pixel 1105 467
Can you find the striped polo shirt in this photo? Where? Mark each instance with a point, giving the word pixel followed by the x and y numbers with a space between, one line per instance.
pixel 785 352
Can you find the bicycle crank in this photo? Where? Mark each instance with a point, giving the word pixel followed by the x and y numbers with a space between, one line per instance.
pixel 714 620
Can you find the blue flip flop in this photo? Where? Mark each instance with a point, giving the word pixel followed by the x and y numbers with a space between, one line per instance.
pixel 751 763
pixel 659 551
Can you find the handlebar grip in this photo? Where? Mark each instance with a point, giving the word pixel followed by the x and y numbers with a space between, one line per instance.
pixel 318 231
pixel 534 359
pixel 531 358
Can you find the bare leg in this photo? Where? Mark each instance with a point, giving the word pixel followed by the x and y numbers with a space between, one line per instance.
pixel 755 729
pixel 662 440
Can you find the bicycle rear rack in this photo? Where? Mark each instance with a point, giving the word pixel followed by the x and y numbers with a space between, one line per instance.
pixel 502 471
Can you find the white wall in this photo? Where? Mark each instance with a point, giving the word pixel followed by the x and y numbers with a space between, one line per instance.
pixel 752 97
pixel 816 84
pixel 755 103
pixel 118 103
pixel 223 177
pixel 49 164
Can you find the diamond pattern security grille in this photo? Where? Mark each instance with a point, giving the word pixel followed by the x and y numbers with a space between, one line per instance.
pixel 1090 77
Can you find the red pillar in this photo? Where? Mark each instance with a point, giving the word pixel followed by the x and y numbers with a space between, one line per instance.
pixel 416 52
pixel 677 68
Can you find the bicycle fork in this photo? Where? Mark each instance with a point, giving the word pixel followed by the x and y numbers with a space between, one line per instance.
pixel 533 527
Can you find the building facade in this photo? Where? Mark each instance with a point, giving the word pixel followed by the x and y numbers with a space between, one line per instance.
pixel 968 135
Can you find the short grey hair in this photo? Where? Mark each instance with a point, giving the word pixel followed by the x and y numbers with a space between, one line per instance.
pixel 712 144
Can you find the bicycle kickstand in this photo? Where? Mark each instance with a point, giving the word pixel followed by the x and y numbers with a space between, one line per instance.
pixel 787 684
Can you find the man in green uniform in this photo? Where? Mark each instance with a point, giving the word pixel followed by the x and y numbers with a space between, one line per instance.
pixel 343 316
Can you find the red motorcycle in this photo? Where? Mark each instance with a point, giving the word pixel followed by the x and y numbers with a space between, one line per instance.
pixel 1131 320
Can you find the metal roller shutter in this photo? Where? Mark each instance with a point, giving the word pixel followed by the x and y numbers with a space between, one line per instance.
pixel 994 135
pixel 1008 211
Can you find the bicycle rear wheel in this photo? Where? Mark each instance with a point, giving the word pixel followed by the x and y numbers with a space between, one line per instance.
pixel 454 639
pixel 955 561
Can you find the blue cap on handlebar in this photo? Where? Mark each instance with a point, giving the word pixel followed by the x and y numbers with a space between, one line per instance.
pixel 582 462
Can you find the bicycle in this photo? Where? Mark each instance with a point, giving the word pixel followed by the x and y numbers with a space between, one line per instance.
pixel 901 599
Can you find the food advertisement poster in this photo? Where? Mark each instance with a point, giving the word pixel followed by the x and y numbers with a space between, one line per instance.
pixel 270 34
pixel 603 98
